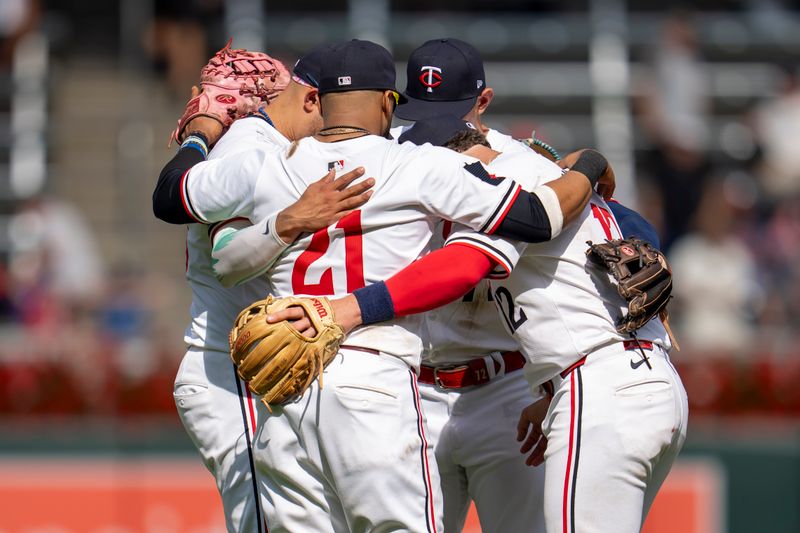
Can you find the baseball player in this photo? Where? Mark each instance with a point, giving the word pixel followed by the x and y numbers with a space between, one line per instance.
pixel 354 454
pixel 471 377
pixel 446 77
pixel 618 411
pixel 215 407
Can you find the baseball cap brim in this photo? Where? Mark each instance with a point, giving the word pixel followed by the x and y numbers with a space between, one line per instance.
pixel 436 131
pixel 414 109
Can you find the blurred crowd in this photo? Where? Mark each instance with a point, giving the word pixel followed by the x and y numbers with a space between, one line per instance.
pixel 80 337
pixel 76 338
pixel 730 227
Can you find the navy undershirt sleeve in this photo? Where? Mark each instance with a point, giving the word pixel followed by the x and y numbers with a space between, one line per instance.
pixel 632 224
pixel 167 203
pixel 526 221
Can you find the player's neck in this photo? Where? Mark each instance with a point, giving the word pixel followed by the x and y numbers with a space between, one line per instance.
pixel 343 126
pixel 281 118
pixel 474 118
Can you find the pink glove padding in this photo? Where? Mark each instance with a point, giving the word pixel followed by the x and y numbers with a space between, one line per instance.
pixel 233 84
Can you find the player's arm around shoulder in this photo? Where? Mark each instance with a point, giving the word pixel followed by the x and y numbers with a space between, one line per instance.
pixel 224 188
pixel 540 214
pixel 457 187
pixel 191 188
pixel 241 252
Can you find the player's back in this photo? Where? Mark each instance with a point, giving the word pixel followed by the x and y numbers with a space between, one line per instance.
pixel 470 327
pixel 558 304
pixel 389 232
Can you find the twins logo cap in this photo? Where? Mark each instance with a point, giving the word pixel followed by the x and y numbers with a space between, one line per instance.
pixel 435 130
pixel 357 66
pixel 445 76
pixel 308 69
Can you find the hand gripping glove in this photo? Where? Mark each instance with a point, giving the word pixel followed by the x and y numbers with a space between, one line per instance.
pixel 233 84
pixel 643 276
pixel 278 362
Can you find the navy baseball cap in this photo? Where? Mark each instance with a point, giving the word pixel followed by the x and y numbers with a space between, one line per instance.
pixel 435 130
pixel 445 76
pixel 308 69
pixel 357 66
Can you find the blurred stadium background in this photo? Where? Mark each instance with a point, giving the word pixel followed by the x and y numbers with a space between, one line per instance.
pixel 697 106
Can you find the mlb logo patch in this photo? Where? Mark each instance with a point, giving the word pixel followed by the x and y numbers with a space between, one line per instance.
pixel 336 165
pixel 345 80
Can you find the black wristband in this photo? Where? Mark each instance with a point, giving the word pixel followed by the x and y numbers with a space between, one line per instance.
pixel 591 164
pixel 375 303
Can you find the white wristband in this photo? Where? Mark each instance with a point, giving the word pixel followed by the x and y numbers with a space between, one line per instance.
pixel 552 207
pixel 243 252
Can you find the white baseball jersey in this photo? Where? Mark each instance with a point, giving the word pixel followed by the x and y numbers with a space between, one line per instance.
pixel 471 327
pixel 558 305
pixel 506 143
pixel 415 188
pixel 206 331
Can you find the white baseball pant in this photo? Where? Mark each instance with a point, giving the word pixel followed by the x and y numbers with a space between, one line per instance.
pixel 352 456
pixel 219 413
pixel 614 428
pixel 473 433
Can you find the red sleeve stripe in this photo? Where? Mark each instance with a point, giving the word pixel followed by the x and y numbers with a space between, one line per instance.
pixel 506 209
pixel 498 209
pixel 187 204
pixel 496 255
pixel 214 228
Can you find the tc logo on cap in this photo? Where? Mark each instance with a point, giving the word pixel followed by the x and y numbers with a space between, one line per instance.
pixel 430 77
pixel 345 80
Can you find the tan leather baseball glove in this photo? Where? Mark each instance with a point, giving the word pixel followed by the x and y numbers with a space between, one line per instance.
pixel 277 361
pixel 233 84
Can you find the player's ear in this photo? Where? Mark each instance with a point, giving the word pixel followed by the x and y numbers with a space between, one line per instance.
pixel 484 99
pixel 389 103
pixel 311 101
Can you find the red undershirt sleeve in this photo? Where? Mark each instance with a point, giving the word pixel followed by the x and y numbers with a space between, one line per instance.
pixel 432 281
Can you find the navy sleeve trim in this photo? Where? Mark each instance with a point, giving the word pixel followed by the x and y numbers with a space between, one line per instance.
pixel 499 257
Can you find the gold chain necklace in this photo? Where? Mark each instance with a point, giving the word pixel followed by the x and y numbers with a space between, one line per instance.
pixel 342 130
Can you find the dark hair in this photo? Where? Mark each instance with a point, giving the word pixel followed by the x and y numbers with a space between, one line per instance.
pixel 466 139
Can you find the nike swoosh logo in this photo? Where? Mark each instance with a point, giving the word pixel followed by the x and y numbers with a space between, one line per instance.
pixel 637 364
pixel 266 231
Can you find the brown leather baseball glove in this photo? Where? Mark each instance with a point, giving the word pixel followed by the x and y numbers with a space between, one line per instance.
pixel 643 276
pixel 233 84
pixel 277 360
